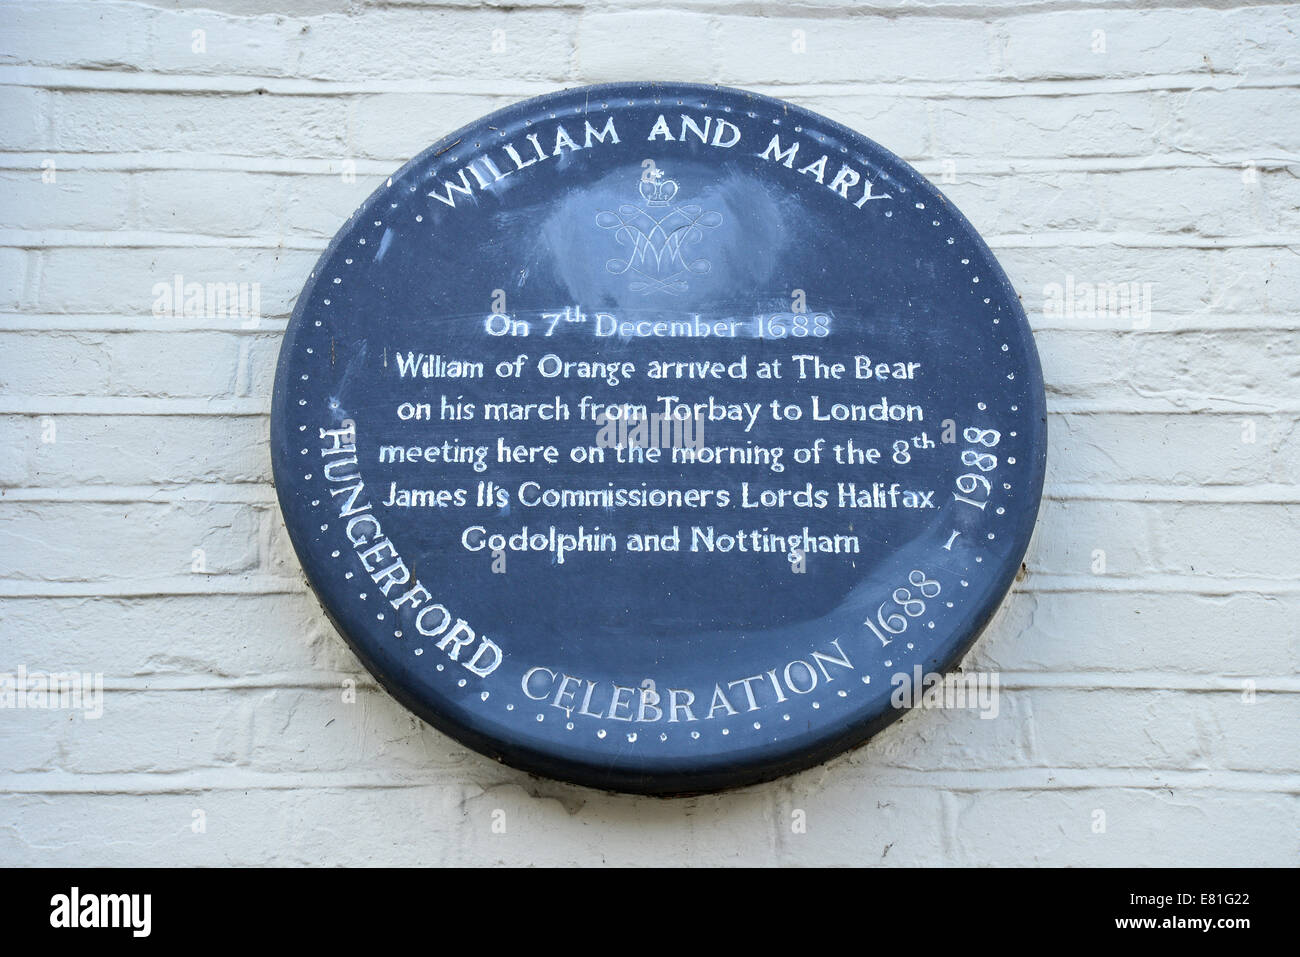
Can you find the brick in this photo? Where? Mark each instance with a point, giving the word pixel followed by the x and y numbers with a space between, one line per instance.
pixel 645 45
pixel 89 36
pixel 1213 541
pixel 128 279
pixel 1257 369
pixel 313 732
pixel 563 828
pixel 1165 730
pixel 120 363
pixel 14 265
pixel 395 43
pixel 1161 828
pixel 77 199
pixel 1083 125
pixel 416 44
pixel 1196 201
pixel 245 124
pixel 850 50
pixel 198 201
pixel 201 637
pixel 24 118
pixel 1095 449
pixel 851 819
pixel 939 739
pixel 1064 43
pixel 319 205
pixel 1243 120
pixel 69 541
pixel 1123 632
pixel 1197 283
pixel 239 827
pixel 158 450
pixel 78 358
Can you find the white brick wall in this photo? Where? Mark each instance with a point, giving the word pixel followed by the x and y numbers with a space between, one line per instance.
pixel 1171 156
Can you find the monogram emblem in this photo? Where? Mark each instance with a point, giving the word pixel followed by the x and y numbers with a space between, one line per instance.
pixel 656 235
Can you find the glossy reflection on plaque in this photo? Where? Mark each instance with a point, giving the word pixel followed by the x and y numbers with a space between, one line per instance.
pixel 645 435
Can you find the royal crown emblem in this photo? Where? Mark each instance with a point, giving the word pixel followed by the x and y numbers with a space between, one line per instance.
pixel 657 191
pixel 657 234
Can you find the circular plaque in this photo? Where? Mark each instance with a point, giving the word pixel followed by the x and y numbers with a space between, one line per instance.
pixel 654 436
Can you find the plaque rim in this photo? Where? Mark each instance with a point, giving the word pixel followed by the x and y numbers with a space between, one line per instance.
pixel 720 771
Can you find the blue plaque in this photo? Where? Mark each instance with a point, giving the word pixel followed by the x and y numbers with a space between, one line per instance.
pixel 644 435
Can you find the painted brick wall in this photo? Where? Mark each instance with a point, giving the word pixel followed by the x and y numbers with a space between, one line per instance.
pixel 1148 658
